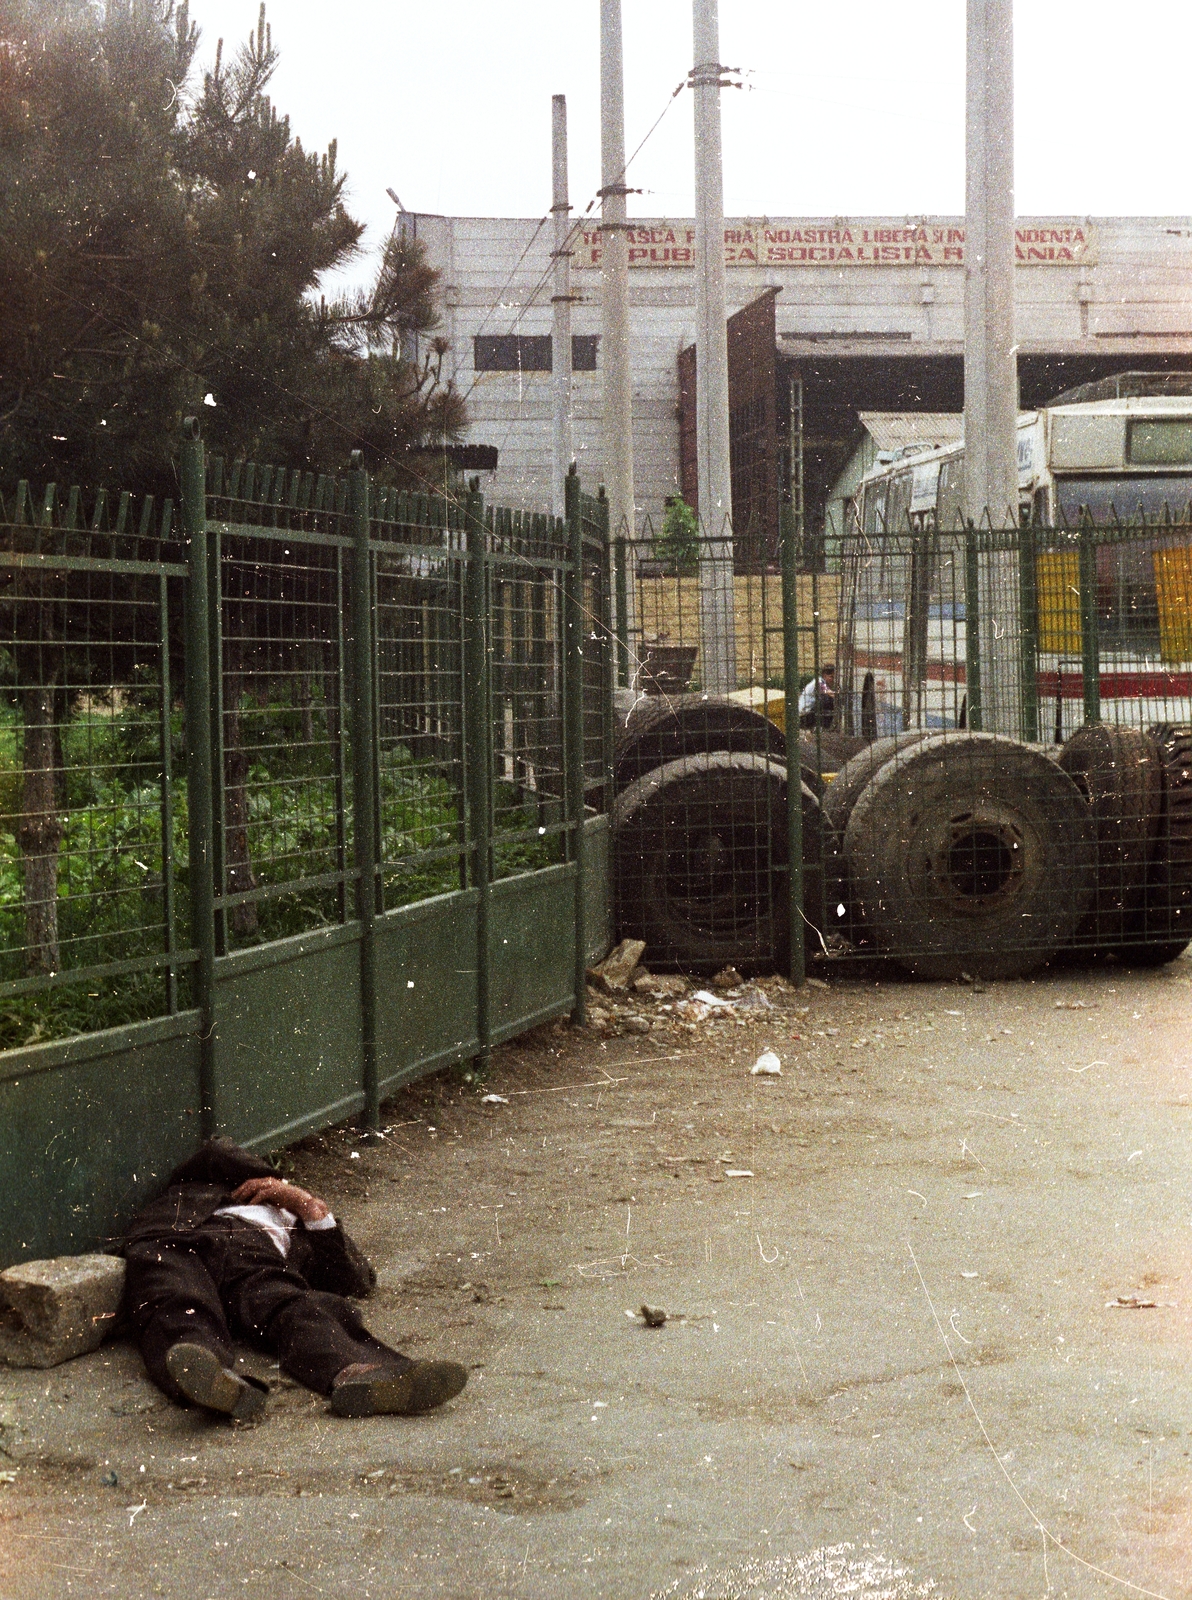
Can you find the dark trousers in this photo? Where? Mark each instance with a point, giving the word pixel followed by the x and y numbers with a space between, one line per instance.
pixel 228 1279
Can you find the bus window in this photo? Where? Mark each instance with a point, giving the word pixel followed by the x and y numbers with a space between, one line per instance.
pixel 1110 500
pixel 1159 442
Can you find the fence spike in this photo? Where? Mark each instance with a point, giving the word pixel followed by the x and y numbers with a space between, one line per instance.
pixel 234 480
pixel 249 486
pixel 122 513
pixel 145 531
pixel 49 505
pixel 99 512
pixel 167 519
pixel 71 515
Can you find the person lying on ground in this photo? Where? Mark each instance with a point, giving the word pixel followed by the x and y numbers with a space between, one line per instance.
pixel 230 1250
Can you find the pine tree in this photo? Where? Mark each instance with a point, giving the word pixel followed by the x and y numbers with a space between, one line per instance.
pixel 156 252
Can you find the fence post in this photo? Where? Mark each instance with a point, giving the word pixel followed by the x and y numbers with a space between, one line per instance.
pixel 972 630
pixel 610 646
pixel 215 657
pixel 477 745
pixel 621 581
pixel 1090 645
pixel 573 730
pixel 193 472
pixel 794 785
pixel 364 831
pixel 1028 611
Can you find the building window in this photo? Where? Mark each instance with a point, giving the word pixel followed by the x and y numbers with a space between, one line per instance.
pixel 522 352
pixel 512 352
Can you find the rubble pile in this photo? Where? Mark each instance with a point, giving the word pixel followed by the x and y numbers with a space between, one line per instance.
pixel 625 998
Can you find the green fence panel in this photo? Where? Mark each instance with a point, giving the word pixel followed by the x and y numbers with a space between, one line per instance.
pixel 91 1126
pixel 288 1037
pixel 599 929
pixel 426 987
pixel 532 946
pixel 389 716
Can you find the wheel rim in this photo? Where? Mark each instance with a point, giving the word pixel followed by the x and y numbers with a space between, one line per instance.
pixel 980 861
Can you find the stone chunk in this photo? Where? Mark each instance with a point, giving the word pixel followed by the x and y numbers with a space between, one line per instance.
pixel 613 974
pixel 667 986
pixel 51 1311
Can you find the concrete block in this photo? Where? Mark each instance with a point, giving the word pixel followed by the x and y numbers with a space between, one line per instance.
pixel 612 975
pixel 51 1311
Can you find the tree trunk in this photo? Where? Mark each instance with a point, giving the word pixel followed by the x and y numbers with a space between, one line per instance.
pixel 40 833
pixel 240 877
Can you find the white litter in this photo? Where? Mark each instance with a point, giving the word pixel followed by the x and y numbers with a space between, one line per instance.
pixel 493 1100
pixel 737 1172
pixel 703 1004
pixel 767 1065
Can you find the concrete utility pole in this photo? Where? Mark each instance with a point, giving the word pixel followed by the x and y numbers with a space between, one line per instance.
pixel 990 356
pixel 561 307
pixel 614 281
pixel 717 631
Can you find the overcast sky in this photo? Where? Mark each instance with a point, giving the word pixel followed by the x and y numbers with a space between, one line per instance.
pixel 854 108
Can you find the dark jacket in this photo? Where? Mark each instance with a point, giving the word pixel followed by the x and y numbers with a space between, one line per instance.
pixel 328 1259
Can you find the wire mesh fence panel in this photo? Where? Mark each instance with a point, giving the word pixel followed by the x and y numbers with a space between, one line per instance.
pixel 599 653
pixel 1025 697
pixel 281 741
pixel 526 562
pixel 419 555
pixel 700 772
pixel 92 813
pixel 305 653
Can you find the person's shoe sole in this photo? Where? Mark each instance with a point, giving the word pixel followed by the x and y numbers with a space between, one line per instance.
pixel 203 1378
pixel 421 1386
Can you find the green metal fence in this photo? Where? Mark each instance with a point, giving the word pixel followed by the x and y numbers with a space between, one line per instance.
pixel 302 788
pixel 999 775
pixel 1025 788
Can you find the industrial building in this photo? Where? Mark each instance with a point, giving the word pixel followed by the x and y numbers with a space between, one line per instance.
pixel 830 318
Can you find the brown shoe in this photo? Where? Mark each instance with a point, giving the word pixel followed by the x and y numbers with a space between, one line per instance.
pixel 203 1378
pixel 393 1391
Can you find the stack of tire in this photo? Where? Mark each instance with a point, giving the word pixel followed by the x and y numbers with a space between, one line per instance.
pixel 968 853
pixel 700 861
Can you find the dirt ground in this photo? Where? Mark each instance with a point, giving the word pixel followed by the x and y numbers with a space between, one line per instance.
pixel 932 1339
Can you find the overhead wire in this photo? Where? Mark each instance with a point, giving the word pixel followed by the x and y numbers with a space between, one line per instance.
pixel 572 236
pixel 574 231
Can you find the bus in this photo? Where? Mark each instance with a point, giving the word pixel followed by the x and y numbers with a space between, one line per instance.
pixel 1104 479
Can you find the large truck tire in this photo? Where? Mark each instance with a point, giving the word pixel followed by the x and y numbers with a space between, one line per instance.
pixel 1120 772
pixel 842 794
pixel 971 853
pixel 826 751
pixel 1162 928
pixel 658 730
pixel 700 863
